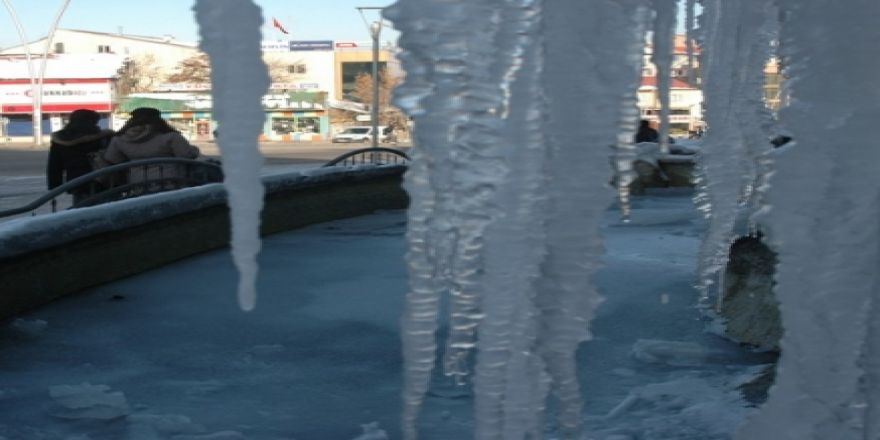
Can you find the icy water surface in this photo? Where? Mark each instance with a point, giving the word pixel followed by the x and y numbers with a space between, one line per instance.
pixel 169 355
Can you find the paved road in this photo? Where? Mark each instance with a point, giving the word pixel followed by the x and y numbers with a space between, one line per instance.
pixel 23 166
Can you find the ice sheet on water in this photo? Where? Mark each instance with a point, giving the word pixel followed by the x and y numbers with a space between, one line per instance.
pixel 157 426
pixel 681 354
pixel 687 408
pixel 221 435
pixel 372 432
pixel 87 401
pixel 29 327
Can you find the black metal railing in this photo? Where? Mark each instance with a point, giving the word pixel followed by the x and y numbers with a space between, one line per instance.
pixel 370 156
pixel 126 180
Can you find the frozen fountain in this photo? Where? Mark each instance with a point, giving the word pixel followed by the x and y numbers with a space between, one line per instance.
pixel 517 104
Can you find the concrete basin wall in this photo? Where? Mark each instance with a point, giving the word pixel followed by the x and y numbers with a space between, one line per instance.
pixel 44 258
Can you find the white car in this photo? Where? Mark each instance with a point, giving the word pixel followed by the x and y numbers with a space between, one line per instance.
pixel 359 134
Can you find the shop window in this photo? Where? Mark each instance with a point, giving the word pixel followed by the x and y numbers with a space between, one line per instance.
pixel 297 68
pixel 283 125
pixel 308 125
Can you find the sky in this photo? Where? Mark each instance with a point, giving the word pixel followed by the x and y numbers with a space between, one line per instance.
pixel 305 20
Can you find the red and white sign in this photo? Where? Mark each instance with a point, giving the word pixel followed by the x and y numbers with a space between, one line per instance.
pixel 59 95
pixel 342 45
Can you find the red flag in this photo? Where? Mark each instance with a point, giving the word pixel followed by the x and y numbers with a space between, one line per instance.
pixel 278 25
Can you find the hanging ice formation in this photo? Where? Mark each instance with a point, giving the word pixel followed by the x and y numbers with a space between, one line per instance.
pixel 690 7
pixel 663 39
pixel 230 31
pixel 508 183
pixel 734 52
pixel 822 220
pixel 626 153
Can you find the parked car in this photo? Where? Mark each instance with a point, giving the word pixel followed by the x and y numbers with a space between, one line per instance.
pixel 359 134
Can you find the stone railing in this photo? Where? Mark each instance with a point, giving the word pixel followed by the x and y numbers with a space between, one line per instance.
pixel 46 257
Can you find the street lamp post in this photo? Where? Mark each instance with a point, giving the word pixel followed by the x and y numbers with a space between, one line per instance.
pixel 37 119
pixel 38 108
pixel 375 30
pixel 35 80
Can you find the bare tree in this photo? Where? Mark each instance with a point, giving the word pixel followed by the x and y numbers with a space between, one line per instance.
pixel 138 74
pixel 388 114
pixel 197 69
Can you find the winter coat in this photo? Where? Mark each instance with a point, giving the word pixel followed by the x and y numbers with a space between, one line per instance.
pixel 646 134
pixel 68 153
pixel 142 142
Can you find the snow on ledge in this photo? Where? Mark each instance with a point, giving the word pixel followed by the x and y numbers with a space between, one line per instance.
pixel 28 234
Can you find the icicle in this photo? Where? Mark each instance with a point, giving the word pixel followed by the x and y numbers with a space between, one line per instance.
pixel 821 218
pixel 579 128
pixel 478 218
pixel 661 55
pixel 452 191
pixel 510 384
pixel 690 12
pixel 230 31
pixel 626 152
pixel 735 41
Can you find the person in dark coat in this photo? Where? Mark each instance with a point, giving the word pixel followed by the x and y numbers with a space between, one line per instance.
pixel 646 133
pixel 70 147
pixel 145 136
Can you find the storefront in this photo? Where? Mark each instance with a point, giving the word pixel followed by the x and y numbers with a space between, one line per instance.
pixel 290 117
pixel 60 98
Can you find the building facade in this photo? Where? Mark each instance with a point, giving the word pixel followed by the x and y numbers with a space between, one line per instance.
pixel 71 82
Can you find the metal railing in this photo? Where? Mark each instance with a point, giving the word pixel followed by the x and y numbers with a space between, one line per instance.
pixel 126 180
pixel 370 156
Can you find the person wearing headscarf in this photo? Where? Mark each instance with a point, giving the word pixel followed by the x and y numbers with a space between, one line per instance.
pixel 70 147
pixel 146 136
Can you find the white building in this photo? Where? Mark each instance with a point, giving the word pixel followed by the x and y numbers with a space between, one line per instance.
pixel 685 104
pixel 166 51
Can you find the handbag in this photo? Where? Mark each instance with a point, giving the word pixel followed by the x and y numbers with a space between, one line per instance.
pixel 97 161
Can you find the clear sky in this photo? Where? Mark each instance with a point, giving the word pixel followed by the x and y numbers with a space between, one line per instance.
pixel 304 19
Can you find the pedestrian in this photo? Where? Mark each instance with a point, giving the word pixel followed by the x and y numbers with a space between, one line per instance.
pixel 69 151
pixel 646 133
pixel 145 136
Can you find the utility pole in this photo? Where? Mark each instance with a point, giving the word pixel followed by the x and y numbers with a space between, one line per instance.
pixel 375 29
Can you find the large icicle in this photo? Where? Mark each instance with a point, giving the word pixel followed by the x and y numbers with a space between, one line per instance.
pixel 579 90
pixel 455 92
pixel 625 153
pixel 689 21
pixel 230 31
pixel 478 220
pixel 822 220
pixel 662 49
pixel 510 383
pixel 734 52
